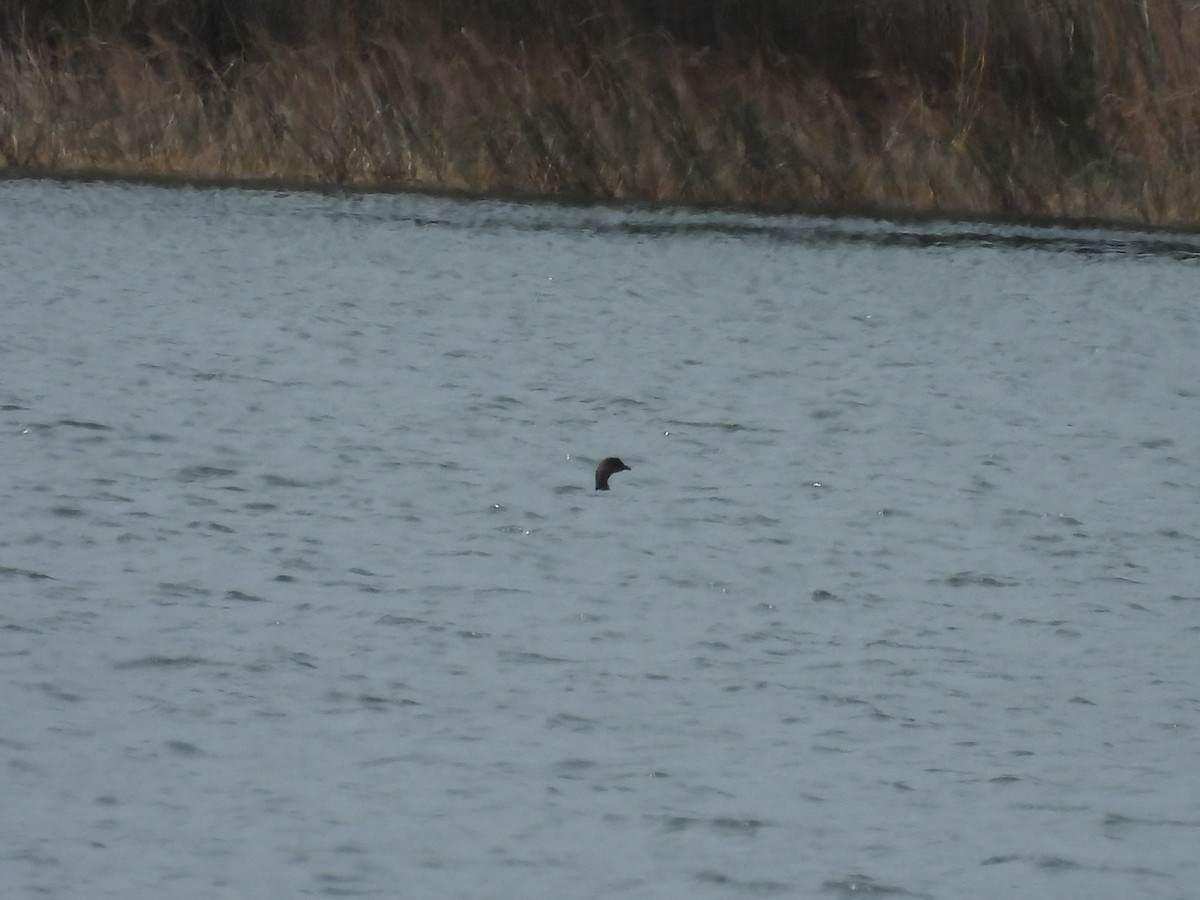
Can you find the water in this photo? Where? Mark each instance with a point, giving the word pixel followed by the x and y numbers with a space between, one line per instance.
pixel 305 592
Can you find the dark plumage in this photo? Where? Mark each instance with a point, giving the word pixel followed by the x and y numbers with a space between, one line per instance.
pixel 608 467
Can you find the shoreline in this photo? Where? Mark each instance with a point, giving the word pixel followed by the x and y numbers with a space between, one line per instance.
pixel 895 216
pixel 611 110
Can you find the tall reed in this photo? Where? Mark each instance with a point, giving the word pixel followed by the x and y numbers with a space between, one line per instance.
pixel 1081 108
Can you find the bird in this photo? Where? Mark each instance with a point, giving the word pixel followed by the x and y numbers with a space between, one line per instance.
pixel 608 467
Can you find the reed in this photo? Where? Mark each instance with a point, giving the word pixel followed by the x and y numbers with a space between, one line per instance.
pixel 1060 108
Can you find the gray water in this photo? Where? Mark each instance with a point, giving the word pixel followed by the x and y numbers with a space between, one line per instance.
pixel 304 590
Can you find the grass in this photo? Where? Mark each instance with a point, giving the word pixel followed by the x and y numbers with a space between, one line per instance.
pixel 1047 108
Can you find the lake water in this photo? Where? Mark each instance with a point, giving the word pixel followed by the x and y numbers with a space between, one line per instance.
pixel 304 590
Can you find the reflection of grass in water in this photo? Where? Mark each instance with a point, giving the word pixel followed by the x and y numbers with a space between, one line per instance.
pixel 1045 107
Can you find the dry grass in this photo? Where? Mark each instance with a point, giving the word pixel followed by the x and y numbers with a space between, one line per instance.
pixel 1057 108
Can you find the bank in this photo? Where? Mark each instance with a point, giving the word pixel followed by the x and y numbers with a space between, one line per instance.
pixel 1072 109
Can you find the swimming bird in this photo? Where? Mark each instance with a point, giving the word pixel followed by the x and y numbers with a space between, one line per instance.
pixel 608 467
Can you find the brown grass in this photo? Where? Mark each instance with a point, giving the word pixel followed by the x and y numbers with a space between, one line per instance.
pixel 1062 108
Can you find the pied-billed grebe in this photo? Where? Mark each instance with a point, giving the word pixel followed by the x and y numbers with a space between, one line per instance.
pixel 608 467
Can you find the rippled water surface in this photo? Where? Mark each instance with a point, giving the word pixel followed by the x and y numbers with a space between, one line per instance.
pixel 304 590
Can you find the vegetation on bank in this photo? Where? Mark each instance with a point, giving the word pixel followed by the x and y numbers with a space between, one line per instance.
pixel 1065 108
